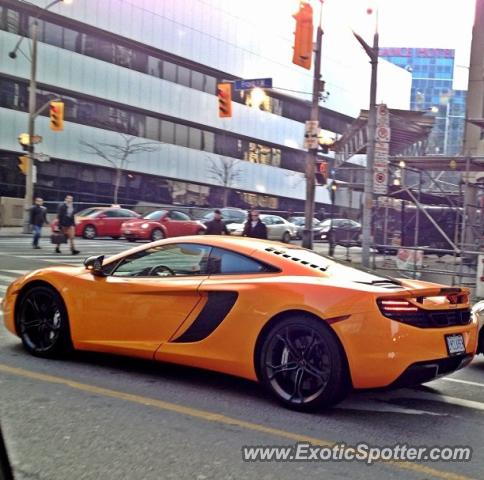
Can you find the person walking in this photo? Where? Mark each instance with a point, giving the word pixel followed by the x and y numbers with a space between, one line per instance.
pixel 216 226
pixel 254 227
pixel 65 216
pixel 37 218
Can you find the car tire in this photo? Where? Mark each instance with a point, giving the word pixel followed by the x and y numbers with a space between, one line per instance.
pixel 130 239
pixel 302 364
pixel 157 234
pixel 89 232
pixel 115 237
pixel 286 238
pixel 42 322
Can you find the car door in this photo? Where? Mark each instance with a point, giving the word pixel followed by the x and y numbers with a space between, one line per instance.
pixel 105 222
pixel 142 301
pixel 185 224
pixel 278 227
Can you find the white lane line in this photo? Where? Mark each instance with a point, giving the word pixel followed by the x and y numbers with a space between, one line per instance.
pixel 379 406
pixel 4 278
pixel 461 402
pixel 466 382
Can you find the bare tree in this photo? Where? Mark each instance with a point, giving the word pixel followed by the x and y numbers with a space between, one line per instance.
pixel 226 172
pixel 119 155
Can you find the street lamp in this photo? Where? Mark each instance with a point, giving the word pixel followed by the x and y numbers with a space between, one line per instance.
pixel 29 177
pixel 372 52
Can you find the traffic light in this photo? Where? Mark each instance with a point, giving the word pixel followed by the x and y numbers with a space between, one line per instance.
pixel 23 164
pixel 321 173
pixel 56 116
pixel 224 94
pixel 303 37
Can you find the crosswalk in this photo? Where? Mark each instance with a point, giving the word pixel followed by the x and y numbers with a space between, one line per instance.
pixel 21 248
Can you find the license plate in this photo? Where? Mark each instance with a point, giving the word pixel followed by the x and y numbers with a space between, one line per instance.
pixel 455 344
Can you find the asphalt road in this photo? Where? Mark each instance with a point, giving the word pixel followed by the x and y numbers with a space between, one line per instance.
pixel 97 416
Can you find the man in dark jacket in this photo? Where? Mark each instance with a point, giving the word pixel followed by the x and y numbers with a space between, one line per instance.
pixel 254 227
pixel 65 215
pixel 38 216
pixel 216 226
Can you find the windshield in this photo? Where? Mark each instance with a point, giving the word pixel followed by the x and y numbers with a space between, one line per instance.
pixel 155 215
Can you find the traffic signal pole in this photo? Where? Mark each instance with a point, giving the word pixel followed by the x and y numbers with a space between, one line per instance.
pixel 29 178
pixel 311 155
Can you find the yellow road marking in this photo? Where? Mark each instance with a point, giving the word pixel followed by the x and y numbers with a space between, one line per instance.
pixel 213 417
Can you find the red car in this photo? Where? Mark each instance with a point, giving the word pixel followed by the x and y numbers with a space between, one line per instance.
pixel 100 221
pixel 161 224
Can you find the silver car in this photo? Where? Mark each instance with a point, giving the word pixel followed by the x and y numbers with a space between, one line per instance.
pixel 277 228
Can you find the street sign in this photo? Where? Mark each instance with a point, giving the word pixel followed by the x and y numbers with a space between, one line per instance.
pixel 253 83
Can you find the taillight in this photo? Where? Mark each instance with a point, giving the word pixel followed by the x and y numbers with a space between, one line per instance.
pixel 394 306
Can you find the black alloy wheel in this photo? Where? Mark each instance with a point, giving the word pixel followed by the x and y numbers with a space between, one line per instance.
pixel 301 363
pixel 42 322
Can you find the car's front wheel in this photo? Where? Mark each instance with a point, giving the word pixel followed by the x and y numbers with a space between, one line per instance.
pixel 42 322
pixel 302 365
pixel 286 238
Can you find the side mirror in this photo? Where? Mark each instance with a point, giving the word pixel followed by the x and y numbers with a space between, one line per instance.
pixel 95 265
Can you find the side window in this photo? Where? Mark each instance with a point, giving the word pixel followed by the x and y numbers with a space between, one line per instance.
pixel 179 259
pixel 277 221
pixel 174 215
pixel 111 213
pixel 267 220
pixel 126 214
pixel 226 262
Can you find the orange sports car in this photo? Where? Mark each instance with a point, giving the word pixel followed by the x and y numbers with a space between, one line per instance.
pixel 305 326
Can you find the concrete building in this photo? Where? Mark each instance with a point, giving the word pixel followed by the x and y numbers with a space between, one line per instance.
pixel 147 71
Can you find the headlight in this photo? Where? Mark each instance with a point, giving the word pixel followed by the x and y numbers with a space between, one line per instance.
pixel 145 225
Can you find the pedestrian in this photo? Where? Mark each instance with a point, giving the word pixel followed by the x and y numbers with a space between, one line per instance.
pixel 216 226
pixel 37 218
pixel 65 216
pixel 254 227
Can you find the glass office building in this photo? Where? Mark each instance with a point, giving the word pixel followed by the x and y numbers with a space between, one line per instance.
pixel 432 80
pixel 146 71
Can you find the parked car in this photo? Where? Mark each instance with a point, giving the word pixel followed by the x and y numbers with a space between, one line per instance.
pixel 100 222
pixel 229 215
pixel 161 224
pixel 277 228
pixel 344 231
pixel 478 313
pixel 300 222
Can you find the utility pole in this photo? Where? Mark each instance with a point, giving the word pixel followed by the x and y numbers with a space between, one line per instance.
pixel 311 155
pixel 372 52
pixel 29 180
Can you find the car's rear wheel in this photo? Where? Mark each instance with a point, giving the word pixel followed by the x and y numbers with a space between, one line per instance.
pixel 286 238
pixel 89 232
pixel 302 365
pixel 42 322
pixel 157 234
